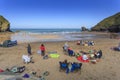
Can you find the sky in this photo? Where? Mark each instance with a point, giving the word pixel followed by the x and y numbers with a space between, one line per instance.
pixel 57 13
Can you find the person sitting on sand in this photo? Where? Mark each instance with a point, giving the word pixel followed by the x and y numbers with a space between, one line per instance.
pixel 16 69
pixel 63 65
pixel 92 43
pixel 65 47
pixel 65 61
pixel 42 48
pixel 84 57
pixel 27 59
pixel 86 43
pixel 117 48
pixel 76 66
pixel 78 42
pixel 98 54
pixel 70 52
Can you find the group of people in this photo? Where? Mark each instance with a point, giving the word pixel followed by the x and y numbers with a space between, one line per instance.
pixel 92 55
pixel 117 48
pixel 85 43
pixel 42 49
pixel 69 66
pixel 28 58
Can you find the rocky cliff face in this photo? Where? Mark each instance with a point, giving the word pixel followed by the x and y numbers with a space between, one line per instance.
pixel 110 23
pixel 4 24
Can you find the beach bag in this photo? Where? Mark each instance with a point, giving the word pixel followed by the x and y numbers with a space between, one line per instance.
pixel 39 52
pixel 45 57
pixel 26 76
pixel 85 44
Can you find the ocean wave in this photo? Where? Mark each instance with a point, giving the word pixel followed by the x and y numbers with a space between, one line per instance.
pixel 47 31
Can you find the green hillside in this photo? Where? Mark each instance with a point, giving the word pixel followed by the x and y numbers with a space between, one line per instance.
pixel 112 21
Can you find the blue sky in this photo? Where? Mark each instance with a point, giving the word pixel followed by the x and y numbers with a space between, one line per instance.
pixel 57 13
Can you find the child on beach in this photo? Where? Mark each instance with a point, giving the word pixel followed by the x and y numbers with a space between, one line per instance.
pixel 42 48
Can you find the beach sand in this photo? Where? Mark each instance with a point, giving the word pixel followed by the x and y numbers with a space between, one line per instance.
pixel 106 69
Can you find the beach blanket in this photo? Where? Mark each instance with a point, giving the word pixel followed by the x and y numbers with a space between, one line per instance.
pixel 52 52
pixel 54 55
pixel 81 59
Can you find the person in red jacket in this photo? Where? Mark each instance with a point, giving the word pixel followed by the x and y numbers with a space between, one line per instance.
pixel 42 48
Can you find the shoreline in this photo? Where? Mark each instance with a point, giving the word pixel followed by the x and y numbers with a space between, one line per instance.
pixel 26 37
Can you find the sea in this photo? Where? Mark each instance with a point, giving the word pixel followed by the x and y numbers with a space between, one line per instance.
pixel 48 31
pixel 66 35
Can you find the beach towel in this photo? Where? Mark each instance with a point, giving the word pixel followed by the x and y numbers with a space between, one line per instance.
pixel 52 52
pixel 81 59
pixel 54 55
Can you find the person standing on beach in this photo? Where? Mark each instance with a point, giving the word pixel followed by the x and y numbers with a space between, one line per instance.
pixel 29 49
pixel 42 48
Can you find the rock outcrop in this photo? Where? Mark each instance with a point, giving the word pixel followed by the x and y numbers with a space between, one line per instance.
pixel 111 24
pixel 4 24
pixel 84 29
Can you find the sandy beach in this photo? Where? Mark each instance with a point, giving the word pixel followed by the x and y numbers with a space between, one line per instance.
pixel 106 69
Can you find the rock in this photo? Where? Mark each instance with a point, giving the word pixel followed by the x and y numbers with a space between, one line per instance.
pixel 114 28
pixel 4 25
pixel 84 29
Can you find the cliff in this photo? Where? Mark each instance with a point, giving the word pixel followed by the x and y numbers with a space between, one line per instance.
pixel 4 24
pixel 111 23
